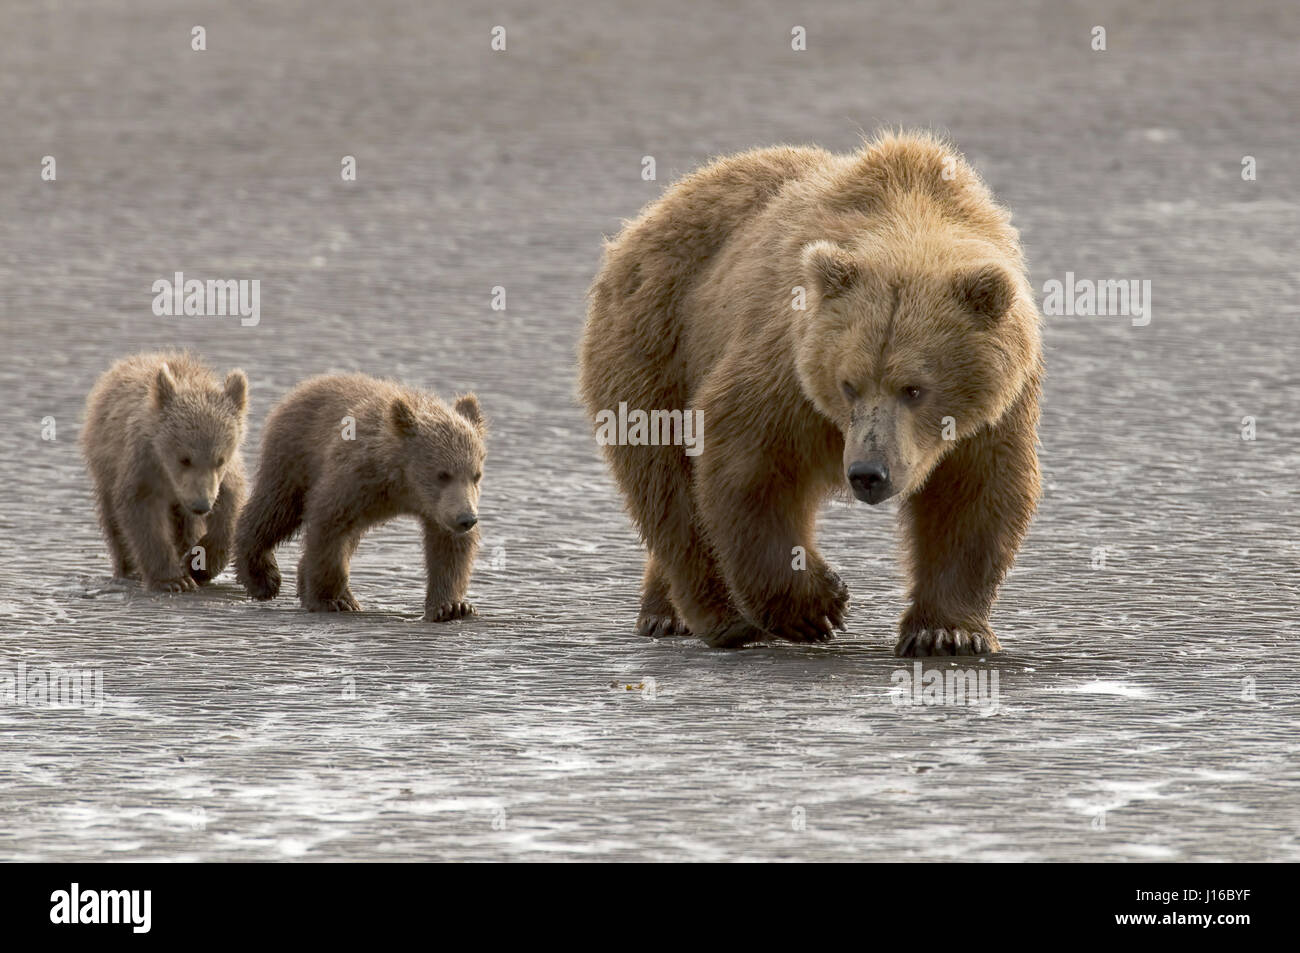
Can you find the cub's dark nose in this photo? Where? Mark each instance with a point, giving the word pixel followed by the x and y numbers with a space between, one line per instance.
pixel 465 522
pixel 870 480
pixel 201 507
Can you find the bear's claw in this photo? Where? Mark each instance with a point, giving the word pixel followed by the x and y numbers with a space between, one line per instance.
pixel 449 612
pixel 732 635
pixel 819 627
pixel 176 584
pixel 660 626
pixel 939 642
pixel 344 603
pixel 807 630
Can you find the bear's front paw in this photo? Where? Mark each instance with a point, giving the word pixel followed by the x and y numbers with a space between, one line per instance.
pixel 919 643
pixel 342 603
pixel 811 630
pixel 838 597
pixel 734 634
pixel 449 612
pixel 174 584
pixel 660 626
pixel 822 612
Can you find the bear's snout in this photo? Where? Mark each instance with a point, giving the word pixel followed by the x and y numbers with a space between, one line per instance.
pixel 870 480
pixel 201 507
pixel 465 522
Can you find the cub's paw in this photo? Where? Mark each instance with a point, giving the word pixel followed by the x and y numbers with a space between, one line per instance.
pixel 342 603
pixel 174 584
pixel 734 634
pixel 660 626
pixel 919 643
pixel 449 612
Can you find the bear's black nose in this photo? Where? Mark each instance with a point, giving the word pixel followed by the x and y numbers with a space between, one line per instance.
pixel 201 507
pixel 465 522
pixel 870 480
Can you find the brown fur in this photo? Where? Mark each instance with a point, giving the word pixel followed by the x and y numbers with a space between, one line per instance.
pixel 162 436
pixel 914 279
pixel 412 455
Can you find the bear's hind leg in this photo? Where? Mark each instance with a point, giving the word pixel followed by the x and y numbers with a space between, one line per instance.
pixel 118 551
pixel 664 510
pixel 273 513
pixel 656 483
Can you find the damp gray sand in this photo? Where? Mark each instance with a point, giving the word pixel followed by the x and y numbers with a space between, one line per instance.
pixel 1146 702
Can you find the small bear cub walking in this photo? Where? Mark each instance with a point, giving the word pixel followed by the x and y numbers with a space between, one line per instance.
pixel 343 453
pixel 161 440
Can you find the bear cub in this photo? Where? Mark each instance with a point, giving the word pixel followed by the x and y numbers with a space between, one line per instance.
pixel 161 441
pixel 343 453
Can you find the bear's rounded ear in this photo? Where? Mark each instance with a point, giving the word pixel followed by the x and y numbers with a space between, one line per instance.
pixel 404 420
pixel 164 387
pixel 467 406
pixel 237 389
pixel 986 292
pixel 830 268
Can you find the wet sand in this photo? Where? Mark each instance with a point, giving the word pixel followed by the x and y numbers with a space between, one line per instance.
pixel 1147 703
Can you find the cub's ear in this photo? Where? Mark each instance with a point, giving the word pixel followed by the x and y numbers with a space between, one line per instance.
pixel 237 390
pixel 467 406
pixel 986 292
pixel 404 420
pixel 830 268
pixel 164 387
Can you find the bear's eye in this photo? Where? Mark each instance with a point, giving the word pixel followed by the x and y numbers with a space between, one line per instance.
pixel 185 461
pixel 444 477
pixel 221 461
pixel 911 394
pixel 849 391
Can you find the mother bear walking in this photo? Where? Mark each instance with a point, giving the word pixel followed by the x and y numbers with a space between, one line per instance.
pixel 856 322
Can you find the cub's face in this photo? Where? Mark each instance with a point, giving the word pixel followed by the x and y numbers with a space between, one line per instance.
pixel 905 362
pixel 198 434
pixel 443 462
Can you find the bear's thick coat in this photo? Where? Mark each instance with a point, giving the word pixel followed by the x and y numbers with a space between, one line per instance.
pixel 343 453
pixel 856 322
pixel 161 440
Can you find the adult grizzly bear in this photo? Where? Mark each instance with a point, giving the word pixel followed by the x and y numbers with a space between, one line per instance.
pixel 856 322
pixel 342 453
pixel 161 439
